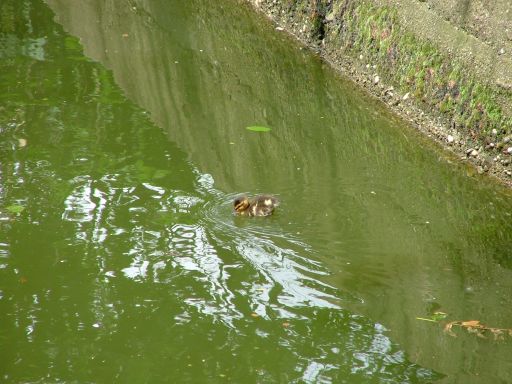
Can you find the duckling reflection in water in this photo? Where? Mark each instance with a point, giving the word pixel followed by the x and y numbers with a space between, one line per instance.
pixel 261 205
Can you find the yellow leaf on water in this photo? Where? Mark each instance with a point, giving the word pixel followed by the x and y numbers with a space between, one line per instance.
pixel 471 324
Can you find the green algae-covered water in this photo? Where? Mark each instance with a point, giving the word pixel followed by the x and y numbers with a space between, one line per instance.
pixel 123 142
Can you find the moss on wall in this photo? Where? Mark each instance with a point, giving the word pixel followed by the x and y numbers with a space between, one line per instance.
pixel 436 79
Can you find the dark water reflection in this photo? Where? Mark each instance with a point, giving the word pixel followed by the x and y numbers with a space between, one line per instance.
pixel 120 259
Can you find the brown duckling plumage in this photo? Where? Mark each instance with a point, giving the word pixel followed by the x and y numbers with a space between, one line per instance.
pixel 261 205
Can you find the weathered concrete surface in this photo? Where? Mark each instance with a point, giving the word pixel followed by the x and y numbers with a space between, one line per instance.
pixel 488 21
pixel 445 65
pixel 464 29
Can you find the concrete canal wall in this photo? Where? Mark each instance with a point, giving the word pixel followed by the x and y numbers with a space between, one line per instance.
pixel 445 65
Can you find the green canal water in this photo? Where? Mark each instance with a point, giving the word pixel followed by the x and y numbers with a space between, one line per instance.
pixel 123 142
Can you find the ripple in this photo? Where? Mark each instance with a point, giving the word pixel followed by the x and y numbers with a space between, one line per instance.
pixel 79 205
pixel 284 262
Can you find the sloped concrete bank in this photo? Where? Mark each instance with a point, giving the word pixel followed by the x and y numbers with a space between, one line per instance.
pixel 437 64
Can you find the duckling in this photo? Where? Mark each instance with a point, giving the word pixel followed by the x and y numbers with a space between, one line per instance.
pixel 261 205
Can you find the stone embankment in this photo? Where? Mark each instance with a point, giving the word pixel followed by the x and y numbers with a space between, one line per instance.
pixel 444 65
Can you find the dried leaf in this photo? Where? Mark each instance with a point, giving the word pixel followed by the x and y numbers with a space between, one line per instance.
pixel 471 324
pixel 480 334
pixel 498 333
pixel 448 328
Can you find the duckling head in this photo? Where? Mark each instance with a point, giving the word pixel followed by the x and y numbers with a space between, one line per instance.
pixel 241 204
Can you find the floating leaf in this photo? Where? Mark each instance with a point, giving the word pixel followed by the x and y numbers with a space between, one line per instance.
pixel 448 328
pixel 15 208
pixel 425 319
pixel 259 128
pixel 434 318
pixel 477 328
pixel 439 316
pixel 471 324
pixel 498 333
pixel 479 333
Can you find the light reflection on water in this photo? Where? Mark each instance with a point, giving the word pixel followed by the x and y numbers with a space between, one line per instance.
pixel 127 263
pixel 237 269
pixel 280 261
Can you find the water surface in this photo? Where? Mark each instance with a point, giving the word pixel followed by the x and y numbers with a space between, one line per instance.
pixel 123 144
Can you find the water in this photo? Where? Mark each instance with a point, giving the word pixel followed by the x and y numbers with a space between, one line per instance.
pixel 123 144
